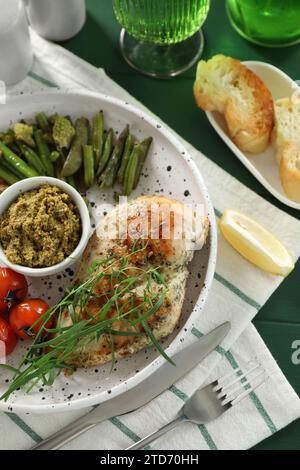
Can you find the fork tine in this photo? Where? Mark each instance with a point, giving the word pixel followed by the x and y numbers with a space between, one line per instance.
pixel 224 378
pixel 230 396
pixel 233 372
pixel 247 392
pixel 240 377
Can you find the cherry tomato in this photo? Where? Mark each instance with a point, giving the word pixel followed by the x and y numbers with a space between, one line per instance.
pixel 25 314
pixel 13 288
pixel 8 338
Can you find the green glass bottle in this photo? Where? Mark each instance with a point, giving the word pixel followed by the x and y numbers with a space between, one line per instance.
pixel 273 23
pixel 161 37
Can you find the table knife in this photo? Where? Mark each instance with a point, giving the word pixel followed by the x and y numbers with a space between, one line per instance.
pixel 141 394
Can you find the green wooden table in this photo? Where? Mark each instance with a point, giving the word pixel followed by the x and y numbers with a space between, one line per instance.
pixel 278 322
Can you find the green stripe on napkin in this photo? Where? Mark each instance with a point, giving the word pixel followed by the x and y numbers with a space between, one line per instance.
pixel 202 428
pixel 24 426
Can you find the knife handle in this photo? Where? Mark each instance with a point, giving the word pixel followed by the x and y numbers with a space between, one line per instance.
pixel 65 435
pixel 155 435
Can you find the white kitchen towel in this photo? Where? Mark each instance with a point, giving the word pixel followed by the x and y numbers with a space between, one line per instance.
pixel 239 290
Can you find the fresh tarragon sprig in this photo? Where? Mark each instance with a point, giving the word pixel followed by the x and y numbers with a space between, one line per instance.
pixel 47 357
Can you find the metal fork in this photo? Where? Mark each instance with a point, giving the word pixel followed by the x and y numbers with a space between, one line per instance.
pixel 210 402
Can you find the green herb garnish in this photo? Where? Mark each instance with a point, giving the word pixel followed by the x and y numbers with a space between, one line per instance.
pixel 48 357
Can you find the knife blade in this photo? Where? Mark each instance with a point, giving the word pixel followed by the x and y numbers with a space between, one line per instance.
pixel 160 380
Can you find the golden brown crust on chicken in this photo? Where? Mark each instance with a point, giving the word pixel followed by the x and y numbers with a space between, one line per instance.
pixel 172 257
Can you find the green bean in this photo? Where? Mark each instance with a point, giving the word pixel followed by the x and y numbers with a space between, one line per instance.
pixel 54 156
pixel 59 165
pixel 130 172
pixel 135 164
pixel 58 175
pixel 44 152
pixel 107 180
pixel 74 159
pixel 32 159
pixel 117 197
pixel 143 149
pixel 109 175
pixel 8 176
pixel 98 136
pixel 43 122
pixel 107 149
pixel 11 169
pixel 71 180
pixel 89 167
pixel 16 149
pixel 125 158
pixel 17 162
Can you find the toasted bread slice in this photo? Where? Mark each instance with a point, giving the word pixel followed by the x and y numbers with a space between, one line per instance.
pixel 224 84
pixel 289 170
pixel 287 123
pixel 171 255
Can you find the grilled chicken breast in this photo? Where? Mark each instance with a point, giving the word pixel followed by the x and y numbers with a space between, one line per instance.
pixel 151 222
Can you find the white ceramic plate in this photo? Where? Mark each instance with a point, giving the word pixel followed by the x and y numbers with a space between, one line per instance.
pixel 263 165
pixel 168 171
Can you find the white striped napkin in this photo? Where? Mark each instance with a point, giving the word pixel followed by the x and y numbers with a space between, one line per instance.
pixel 238 291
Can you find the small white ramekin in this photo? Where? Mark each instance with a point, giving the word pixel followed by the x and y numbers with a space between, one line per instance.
pixel 10 195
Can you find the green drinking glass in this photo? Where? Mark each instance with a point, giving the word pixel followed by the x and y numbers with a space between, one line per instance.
pixel 161 38
pixel 273 23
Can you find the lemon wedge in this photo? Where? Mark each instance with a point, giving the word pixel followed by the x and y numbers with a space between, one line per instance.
pixel 255 243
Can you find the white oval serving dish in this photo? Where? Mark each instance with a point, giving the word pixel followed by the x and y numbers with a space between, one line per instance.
pixel 169 171
pixel 262 165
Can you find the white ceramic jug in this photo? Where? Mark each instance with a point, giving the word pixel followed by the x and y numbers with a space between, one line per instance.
pixel 15 48
pixel 57 20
